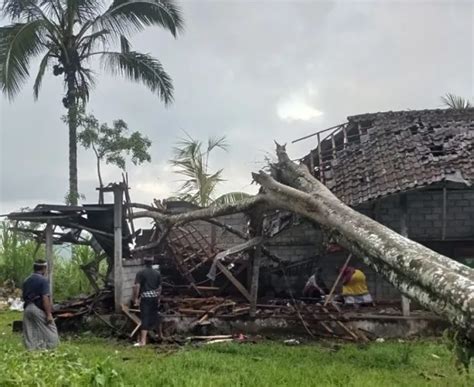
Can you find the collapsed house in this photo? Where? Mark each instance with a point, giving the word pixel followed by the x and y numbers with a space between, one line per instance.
pixel 411 171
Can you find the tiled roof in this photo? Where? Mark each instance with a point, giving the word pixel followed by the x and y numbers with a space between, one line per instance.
pixel 389 152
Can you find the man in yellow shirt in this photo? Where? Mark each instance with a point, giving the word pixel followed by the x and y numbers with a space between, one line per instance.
pixel 354 288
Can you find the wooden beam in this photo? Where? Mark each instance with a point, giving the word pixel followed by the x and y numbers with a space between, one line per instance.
pixel 49 256
pixel 234 280
pixel 118 272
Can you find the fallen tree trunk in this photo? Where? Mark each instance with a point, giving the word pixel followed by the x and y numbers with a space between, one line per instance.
pixel 440 284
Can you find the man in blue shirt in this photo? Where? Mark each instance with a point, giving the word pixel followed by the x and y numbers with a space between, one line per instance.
pixel 39 329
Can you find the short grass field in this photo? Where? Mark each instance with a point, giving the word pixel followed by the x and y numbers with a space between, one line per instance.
pixel 91 361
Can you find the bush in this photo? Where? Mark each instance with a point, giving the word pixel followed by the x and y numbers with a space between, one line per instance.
pixel 17 254
pixel 69 278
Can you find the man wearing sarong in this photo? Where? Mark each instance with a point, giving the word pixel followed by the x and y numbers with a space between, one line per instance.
pixel 39 329
pixel 354 288
pixel 148 289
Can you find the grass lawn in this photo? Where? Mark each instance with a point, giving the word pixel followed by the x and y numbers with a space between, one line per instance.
pixel 85 360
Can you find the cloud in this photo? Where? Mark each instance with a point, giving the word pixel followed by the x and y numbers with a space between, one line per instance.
pixel 299 105
pixel 255 74
pixel 295 108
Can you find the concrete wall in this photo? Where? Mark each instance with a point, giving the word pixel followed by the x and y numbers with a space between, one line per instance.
pixel 130 269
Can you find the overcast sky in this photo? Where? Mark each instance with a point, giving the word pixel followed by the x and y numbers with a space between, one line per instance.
pixel 254 71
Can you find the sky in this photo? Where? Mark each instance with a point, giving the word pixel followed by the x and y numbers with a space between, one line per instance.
pixel 254 71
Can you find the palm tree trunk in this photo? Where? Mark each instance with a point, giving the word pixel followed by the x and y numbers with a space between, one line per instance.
pixel 73 195
pixel 72 121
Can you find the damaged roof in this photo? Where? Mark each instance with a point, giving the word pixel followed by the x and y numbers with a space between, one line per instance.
pixel 378 154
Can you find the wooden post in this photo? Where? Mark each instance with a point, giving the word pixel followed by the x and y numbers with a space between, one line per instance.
pixel 257 256
pixel 445 201
pixel 320 160
pixel 344 131
pixel 333 145
pixel 256 226
pixel 404 232
pixel 118 209
pixel 311 163
pixel 49 255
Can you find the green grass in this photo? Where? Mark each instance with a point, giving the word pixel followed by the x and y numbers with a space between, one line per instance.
pixel 89 360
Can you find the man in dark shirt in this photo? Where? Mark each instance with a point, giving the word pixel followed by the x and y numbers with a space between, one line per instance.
pixel 148 288
pixel 39 330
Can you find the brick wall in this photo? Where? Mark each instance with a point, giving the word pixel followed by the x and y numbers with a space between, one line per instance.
pixel 425 214
pixel 225 239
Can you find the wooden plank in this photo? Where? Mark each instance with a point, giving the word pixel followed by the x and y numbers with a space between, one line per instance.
pixel 132 317
pixel 234 281
pixel 336 282
pixel 317 133
pixel 342 325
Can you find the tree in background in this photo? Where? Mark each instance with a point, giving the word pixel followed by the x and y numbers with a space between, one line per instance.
pixel 455 102
pixel 112 144
pixel 70 33
pixel 191 160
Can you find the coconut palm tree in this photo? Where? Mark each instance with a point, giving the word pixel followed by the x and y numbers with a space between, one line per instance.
pixel 192 161
pixel 69 34
pixel 455 102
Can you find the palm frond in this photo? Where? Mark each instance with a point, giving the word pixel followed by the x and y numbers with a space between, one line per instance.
pixel 124 44
pixel 19 43
pixel 217 142
pixel 191 162
pixel 89 43
pixel 126 16
pixel 231 197
pixel 455 102
pixel 84 10
pixel 187 148
pixel 16 9
pixel 86 83
pixel 142 68
pixel 39 77
pixel 53 8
